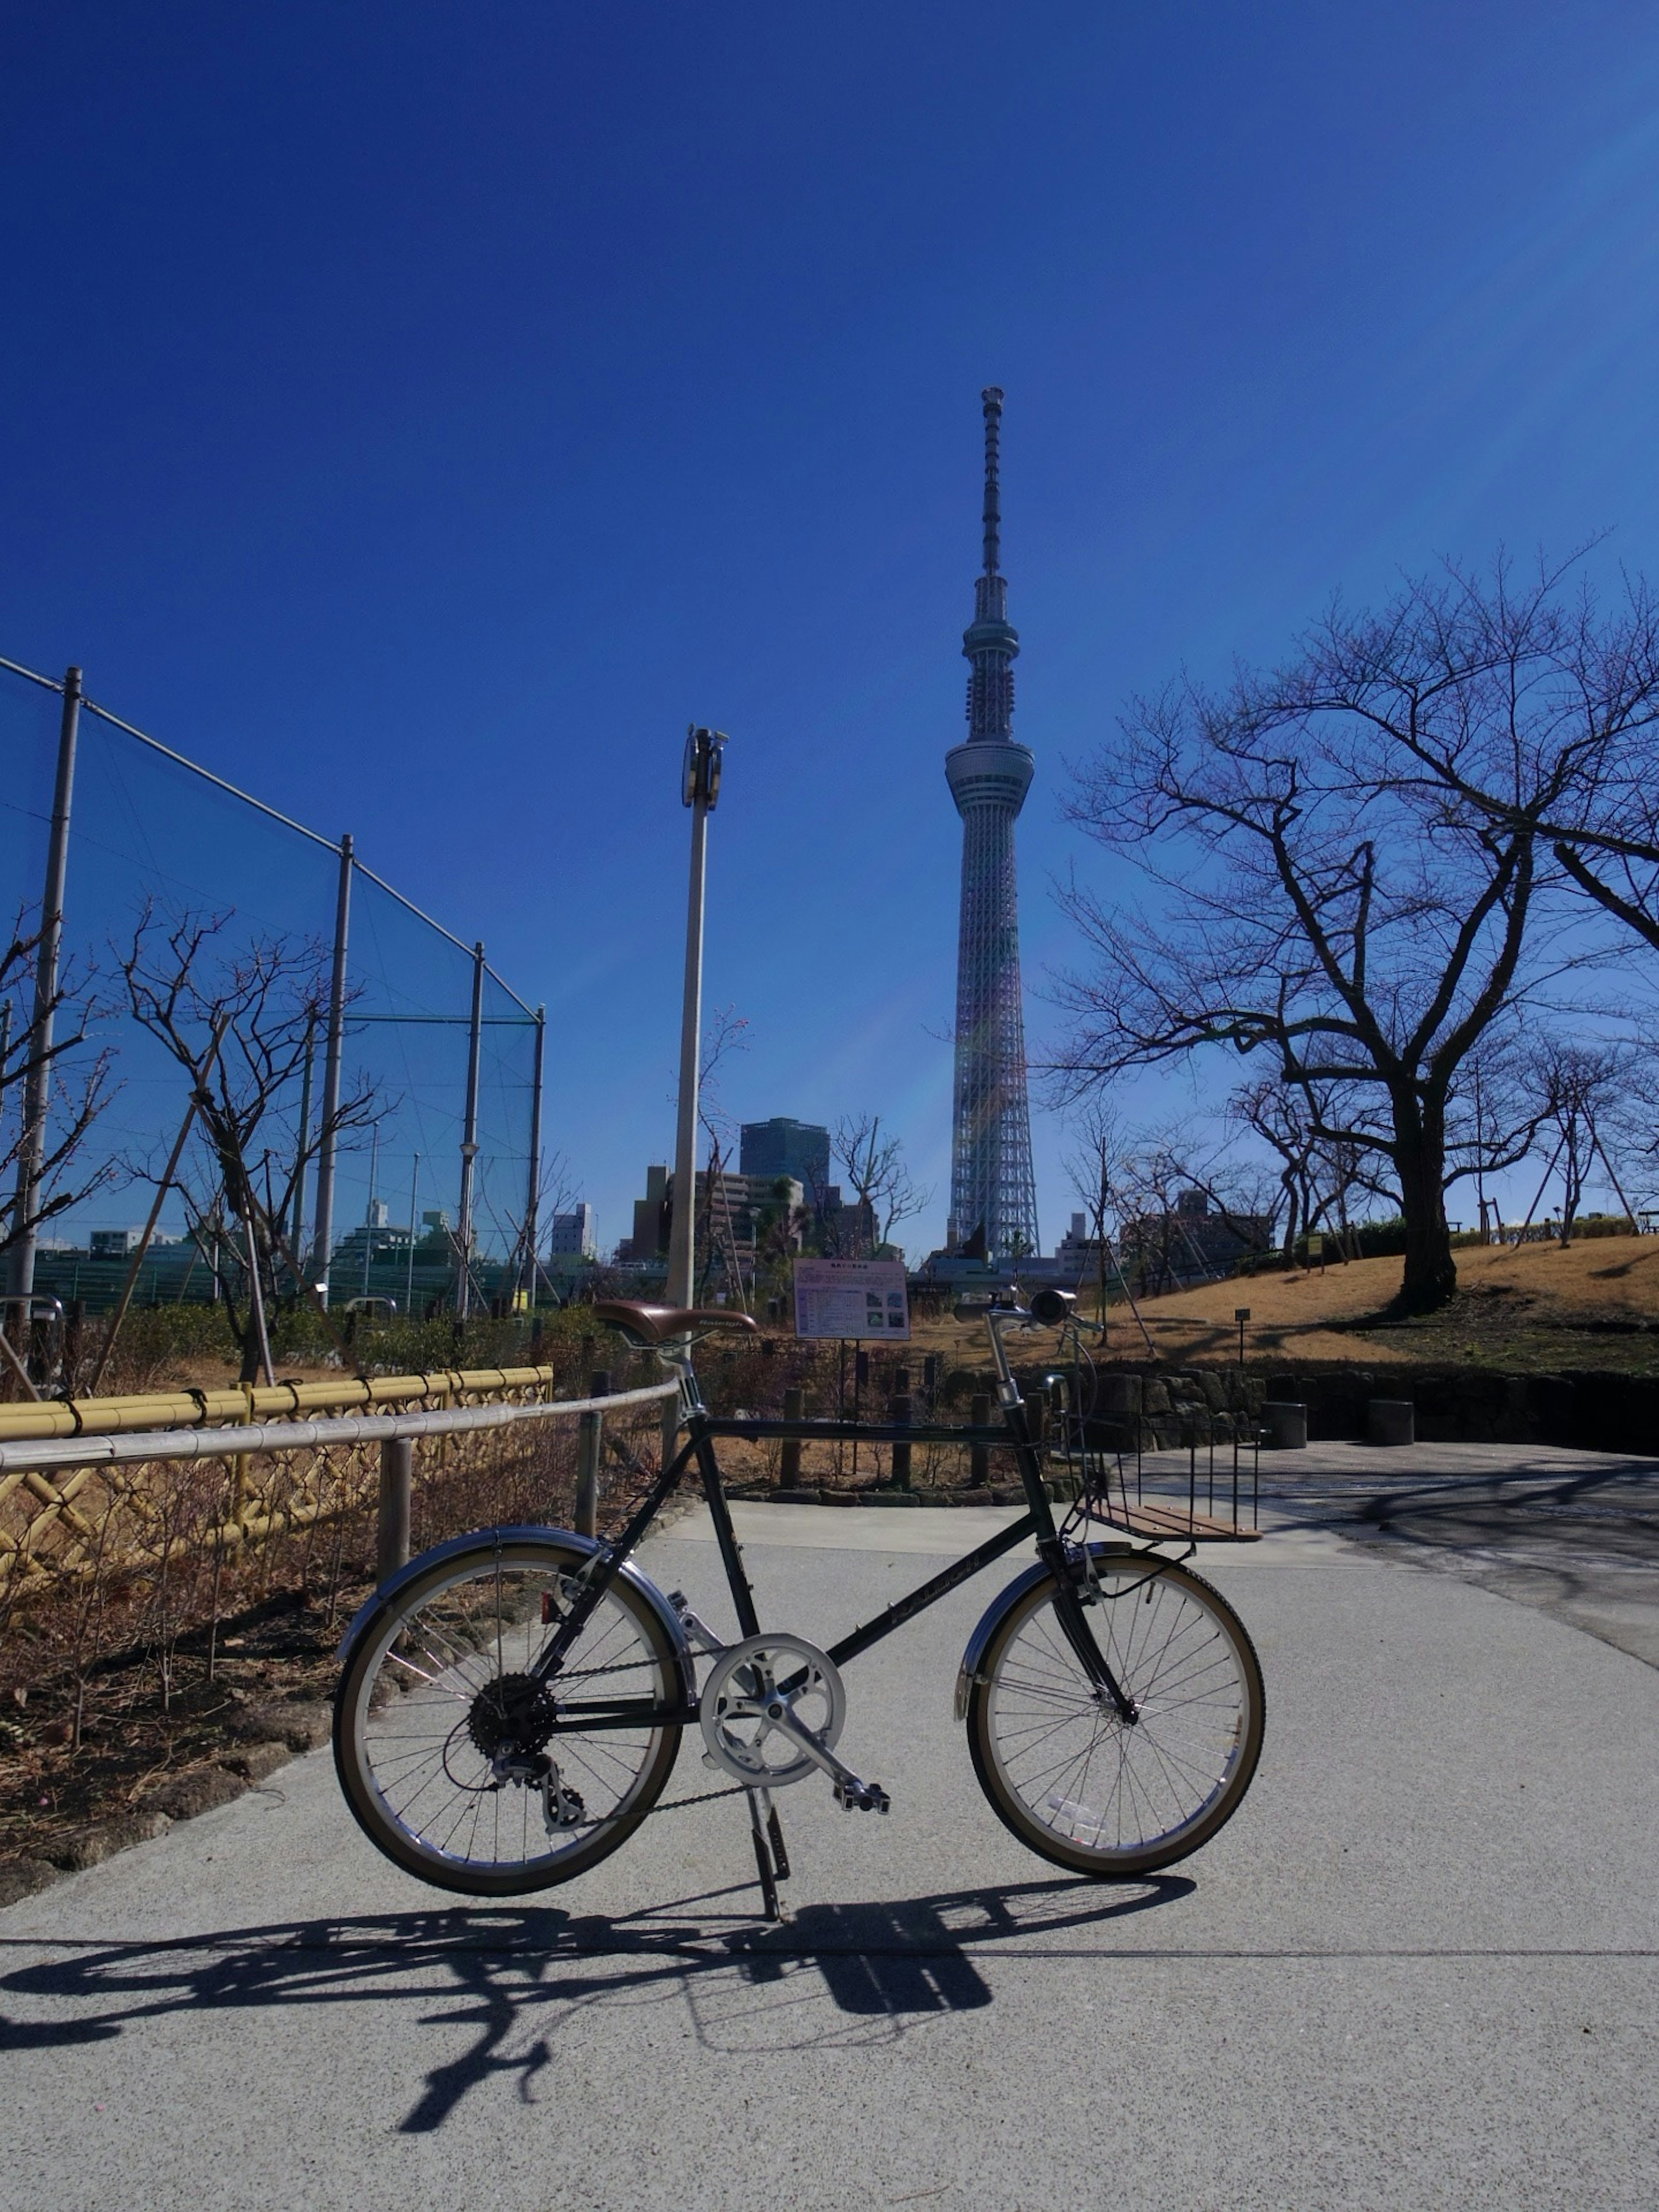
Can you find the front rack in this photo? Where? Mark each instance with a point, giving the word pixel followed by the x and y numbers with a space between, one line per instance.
pixel 1151 1496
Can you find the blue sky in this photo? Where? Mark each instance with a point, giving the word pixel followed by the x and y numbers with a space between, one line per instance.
pixel 421 414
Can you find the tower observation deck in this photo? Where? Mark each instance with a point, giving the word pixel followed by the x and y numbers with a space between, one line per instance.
pixel 992 1191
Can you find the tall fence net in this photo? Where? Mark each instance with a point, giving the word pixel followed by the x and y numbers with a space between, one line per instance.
pixel 438 1058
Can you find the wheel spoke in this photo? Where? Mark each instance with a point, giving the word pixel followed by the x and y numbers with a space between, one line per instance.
pixel 1060 1764
pixel 434 1778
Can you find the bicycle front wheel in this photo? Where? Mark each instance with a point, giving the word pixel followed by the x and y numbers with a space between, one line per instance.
pixel 1071 1778
pixel 439 1678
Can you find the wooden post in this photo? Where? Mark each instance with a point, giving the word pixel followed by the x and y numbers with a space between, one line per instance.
pixel 794 1409
pixel 978 1462
pixel 589 1443
pixel 902 1409
pixel 397 1481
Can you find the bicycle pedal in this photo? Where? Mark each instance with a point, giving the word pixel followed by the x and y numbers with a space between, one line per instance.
pixel 855 1796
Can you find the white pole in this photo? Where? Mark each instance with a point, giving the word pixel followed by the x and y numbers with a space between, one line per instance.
pixel 684 1220
pixel 699 790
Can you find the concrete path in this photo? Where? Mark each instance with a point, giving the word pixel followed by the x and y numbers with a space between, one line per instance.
pixel 1576 1534
pixel 1419 1968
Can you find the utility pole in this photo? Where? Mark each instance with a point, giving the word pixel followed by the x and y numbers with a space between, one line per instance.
pixel 699 787
pixel 37 1080
pixel 700 791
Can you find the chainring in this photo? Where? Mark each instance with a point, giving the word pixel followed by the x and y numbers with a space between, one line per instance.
pixel 762 1672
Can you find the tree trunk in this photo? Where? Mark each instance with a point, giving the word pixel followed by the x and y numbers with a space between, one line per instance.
pixel 1419 1159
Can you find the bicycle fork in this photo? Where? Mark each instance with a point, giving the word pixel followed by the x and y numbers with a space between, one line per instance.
pixel 1074 1626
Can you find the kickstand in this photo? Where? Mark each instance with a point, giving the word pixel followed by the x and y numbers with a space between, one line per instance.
pixel 771 1859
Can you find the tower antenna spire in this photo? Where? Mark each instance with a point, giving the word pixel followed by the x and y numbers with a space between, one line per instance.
pixel 991 400
pixel 992 1191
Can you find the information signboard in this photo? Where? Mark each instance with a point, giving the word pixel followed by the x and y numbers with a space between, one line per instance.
pixel 861 1298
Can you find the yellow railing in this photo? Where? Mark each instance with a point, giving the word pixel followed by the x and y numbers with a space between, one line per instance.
pixel 270 1401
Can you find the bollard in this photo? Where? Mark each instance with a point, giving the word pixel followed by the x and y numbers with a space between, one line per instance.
pixel 794 1409
pixel 589 1443
pixel 1286 1423
pixel 901 1409
pixel 979 1458
pixel 396 1479
pixel 1391 1421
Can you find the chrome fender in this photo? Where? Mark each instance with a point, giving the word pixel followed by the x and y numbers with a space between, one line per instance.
pixel 588 1546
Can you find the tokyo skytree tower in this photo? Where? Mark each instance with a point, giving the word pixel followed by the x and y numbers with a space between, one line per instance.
pixel 993 1191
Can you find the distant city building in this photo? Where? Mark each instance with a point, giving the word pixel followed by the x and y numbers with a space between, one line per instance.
pixel 740 1202
pixel 574 1234
pixel 114 1244
pixel 650 1239
pixel 782 1147
pixel 1078 1253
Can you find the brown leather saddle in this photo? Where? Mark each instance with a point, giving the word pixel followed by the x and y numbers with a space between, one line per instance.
pixel 648 1325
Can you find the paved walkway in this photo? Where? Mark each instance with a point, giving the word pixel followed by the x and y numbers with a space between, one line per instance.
pixel 1419 1968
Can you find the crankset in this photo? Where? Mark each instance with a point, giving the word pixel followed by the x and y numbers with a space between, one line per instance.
pixel 772 1711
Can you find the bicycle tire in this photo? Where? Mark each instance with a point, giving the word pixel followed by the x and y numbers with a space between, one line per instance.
pixel 1075 1783
pixel 415 1668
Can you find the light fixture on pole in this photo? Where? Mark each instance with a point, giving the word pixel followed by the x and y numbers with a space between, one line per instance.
pixel 699 787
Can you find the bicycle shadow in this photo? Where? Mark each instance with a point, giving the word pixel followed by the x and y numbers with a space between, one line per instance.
pixel 533 1971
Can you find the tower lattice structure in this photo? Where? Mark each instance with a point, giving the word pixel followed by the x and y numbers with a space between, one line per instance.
pixel 992 1187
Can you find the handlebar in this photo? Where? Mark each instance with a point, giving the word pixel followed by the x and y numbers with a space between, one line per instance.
pixel 1047 1309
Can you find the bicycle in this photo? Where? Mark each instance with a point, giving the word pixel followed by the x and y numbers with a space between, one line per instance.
pixel 511 1703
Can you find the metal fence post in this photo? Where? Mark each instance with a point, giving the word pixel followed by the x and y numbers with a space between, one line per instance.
pixel 397 1481
pixel 37 1081
pixel 589 1444
pixel 335 1050
pixel 296 1233
pixel 469 1138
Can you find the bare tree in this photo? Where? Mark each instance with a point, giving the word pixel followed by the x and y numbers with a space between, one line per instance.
pixel 268 996
pixel 1580 1091
pixel 72 1091
pixel 1577 767
pixel 877 1174
pixel 1357 922
pixel 1091 1166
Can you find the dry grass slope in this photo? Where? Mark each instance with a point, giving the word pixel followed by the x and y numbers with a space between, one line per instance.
pixel 1521 1308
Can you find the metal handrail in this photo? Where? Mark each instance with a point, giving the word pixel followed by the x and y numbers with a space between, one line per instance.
pixel 233 1442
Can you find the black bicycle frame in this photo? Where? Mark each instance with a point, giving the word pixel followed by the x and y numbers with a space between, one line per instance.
pixel 704 1428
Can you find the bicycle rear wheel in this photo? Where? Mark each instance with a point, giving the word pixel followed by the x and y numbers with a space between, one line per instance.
pixel 438 1677
pixel 1073 1780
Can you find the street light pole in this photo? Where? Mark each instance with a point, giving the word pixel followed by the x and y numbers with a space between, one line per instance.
pixel 699 790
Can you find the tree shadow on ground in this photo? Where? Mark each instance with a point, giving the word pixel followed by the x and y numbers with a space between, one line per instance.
pixel 530 1971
